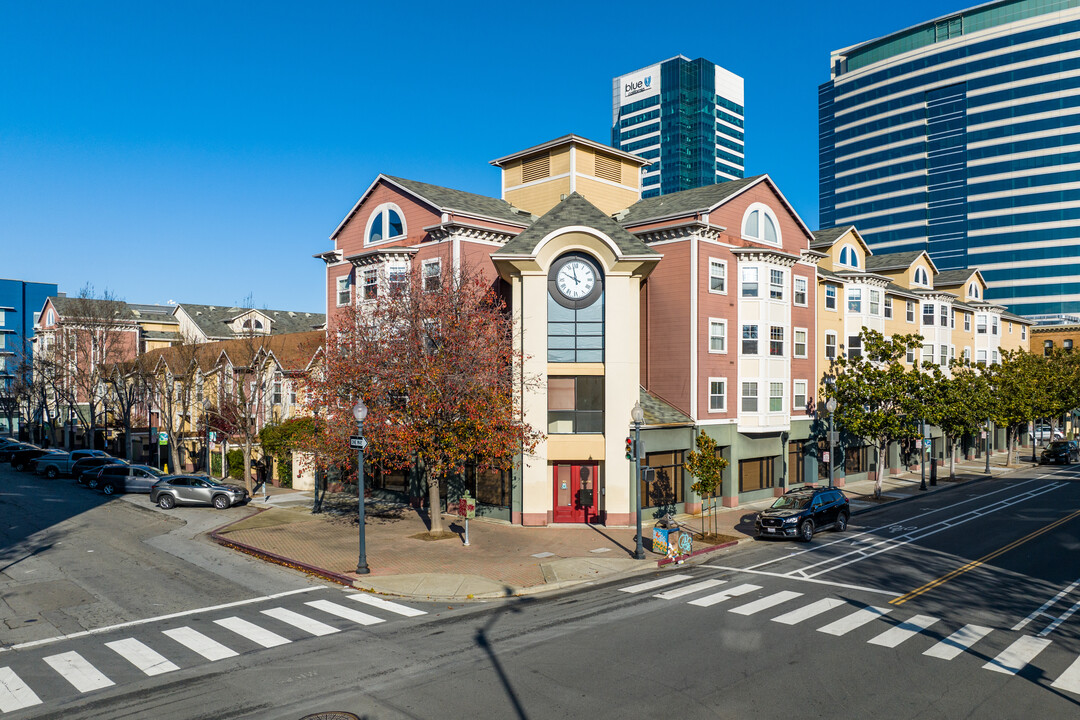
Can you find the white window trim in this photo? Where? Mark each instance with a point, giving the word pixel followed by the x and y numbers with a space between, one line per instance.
pixel 836 297
pixel 723 404
pixel 348 287
pixel 724 323
pixel 795 344
pixel 794 392
pixel 920 272
pixel 794 290
pixel 910 314
pixel 381 211
pixel 766 210
pixel 835 345
pixel 757 270
pixel 723 265
pixel 848 250
pixel 782 285
pixel 888 308
pixel 757 395
pixel 433 262
pixel 782 396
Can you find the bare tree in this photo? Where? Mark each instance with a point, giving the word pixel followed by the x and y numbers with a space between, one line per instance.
pixel 245 371
pixel 126 389
pixel 170 376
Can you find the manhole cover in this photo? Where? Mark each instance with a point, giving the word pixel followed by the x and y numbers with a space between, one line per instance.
pixel 332 715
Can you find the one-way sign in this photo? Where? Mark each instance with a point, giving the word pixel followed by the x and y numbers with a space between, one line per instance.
pixel 357 442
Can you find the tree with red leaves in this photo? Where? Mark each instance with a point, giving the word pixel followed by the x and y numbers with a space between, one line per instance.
pixel 435 364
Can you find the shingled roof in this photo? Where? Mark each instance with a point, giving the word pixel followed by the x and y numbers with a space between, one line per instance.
pixel 825 238
pixel 213 320
pixel 945 278
pixel 892 261
pixel 684 202
pixel 574 210
pixel 452 200
pixel 660 412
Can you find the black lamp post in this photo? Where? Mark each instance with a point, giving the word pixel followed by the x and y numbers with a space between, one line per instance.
pixel 638 416
pixel 360 413
pixel 922 456
pixel 830 406
pixel 986 447
pixel 206 424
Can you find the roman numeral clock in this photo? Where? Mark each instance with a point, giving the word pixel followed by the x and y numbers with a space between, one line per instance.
pixel 574 281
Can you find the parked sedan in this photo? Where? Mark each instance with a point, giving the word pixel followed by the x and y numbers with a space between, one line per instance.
pixel 174 490
pixel 1065 452
pixel 8 450
pixel 90 476
pixel 20 459
pixel 128 478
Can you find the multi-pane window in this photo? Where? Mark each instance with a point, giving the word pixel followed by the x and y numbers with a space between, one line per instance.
pixel 576 335
pixel 830 297
pixel 432 275
pixel 854 300
pixel 944 355
pixel 967 354
pixel 910 312
pixel 967 322
pixel 1048 347
pixel 888 307
pixel 776 284
pixel 928 314
pixel 944 315
pixel 800 396
pixel 749 340
pixel 800 291
pixel 993 324
pixel 750 282
pixel 575 404
pixel 776 341
pixel 1067 344
pixel 717 397
pixel 275 398
pixel 910 355
pixel 927 354
pixel 1023 332
pixel 980 357
pixel 717 336
pixel 776 397
pixel 875 302
pixel 371 284
pixel 854 346
pixel 994 356
pixel 830 345
pixel 398 276
pixel 800 343
pixel 717 276
pixel 980 324
pixel 749 397
pixel 344 291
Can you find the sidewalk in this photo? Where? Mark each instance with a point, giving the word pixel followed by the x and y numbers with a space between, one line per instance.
pixel 501 560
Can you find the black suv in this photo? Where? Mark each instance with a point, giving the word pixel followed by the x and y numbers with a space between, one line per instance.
pixel 1065 452
pixel 804 511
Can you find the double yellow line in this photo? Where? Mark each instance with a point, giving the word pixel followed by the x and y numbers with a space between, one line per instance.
pixel 981 561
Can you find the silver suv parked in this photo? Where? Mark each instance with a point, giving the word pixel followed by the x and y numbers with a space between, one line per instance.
pixel 127 478
pixel 174 490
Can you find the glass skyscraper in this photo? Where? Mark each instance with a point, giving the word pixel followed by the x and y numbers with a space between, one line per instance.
pixel 961 136
pixel 687 117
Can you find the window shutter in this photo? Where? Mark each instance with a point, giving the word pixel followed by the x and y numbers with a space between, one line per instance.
pixel 536 168
pixel 608 168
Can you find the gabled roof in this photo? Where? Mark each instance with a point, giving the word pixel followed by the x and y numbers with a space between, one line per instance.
pixel 896 261
pixel 949 278
pixel 574 211
pixel 213 320
pixel 69 307
pixel 446 199
pixel 685 202
pixel 568 140
pixel 825 238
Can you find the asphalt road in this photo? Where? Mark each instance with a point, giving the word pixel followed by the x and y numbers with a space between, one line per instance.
pixel 957 604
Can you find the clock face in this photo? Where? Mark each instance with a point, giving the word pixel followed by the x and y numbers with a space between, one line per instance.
pixel 575 279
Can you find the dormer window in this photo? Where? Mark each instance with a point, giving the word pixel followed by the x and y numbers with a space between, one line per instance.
pixel 921 277
pixel 973 290
pixel 849 257
pixel 386 223
pixel 760 224
pixel 250 324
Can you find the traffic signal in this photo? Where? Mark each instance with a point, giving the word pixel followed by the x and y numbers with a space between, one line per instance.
pixel 629 449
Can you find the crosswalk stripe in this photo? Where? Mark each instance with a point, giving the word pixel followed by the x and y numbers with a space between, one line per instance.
pixel 252 632
pixel 387 605
pixel 689 589
pixel 806 612
pixel 77 671
pixel 1070 679
pixel 194 640
pixel 896 635
pixel 641 587
pixel 766 602
pixel 142 657
pixel 344 612
pixel 958 642
pixel 303 622
pixel 1017 655
pixel 14 693
pixel 856 619
pixel 719 597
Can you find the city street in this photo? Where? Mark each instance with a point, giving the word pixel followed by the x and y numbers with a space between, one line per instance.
pixel 956 604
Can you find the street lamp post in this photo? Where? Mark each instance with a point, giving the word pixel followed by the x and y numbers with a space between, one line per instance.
pixel 360 413
pixel 830 406
pixel 922 455
pixel 638 416
pixel 987 447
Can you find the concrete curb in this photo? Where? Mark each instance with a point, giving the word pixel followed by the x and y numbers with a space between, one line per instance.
pixel 703 551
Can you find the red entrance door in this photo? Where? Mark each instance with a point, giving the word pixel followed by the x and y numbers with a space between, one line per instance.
pixel 576 496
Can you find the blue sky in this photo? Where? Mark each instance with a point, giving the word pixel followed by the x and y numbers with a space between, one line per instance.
pixel 202 152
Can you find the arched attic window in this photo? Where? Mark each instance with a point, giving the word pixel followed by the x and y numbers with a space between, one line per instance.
pixel 973 290
pixel 849 257
pixel 385 223
pixel 921 277
pixel 248 326
pixel 759 223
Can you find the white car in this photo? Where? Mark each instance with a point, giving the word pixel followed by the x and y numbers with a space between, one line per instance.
pixel 1044 433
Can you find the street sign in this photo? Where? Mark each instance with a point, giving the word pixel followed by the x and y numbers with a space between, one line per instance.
pixel 213 436
pixel 983 434
pixel 825 456
pixel 834 436
pixel 358 442
pixel 467 507
pixel 163 438
pixel 926 443
pixel 648 475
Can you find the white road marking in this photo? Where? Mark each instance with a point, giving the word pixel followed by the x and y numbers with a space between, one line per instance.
pixel 109 628
pixel 855 620
pixel 1070 679
pixel 766 602
pixel 253 632
pixel 805 613
pixel 14 693
pixel 1060 619
pixel 788 576
pixel 142 657
pixel 1020 625
pixel 896 635
pixel 688 589
pixel 387 605
pixel 641 587
pixel 710 600
pixel 194 640
pixel 303 622
pixel 344 612
pixel 1017 655
pixel 958 642
pixel 81 674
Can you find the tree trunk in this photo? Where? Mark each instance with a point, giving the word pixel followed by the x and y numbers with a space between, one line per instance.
pixel 879 476
pixel 174 454
pixel 127 440
pixel 247 464
pixel 434 505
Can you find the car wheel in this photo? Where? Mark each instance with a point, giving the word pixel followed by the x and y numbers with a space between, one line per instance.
pixel 52 473
pixel 806 531
pixel 108 488
pixel 166 502
pixel 19 467
pixel 221 502
pixel 92 483
pixel 841 522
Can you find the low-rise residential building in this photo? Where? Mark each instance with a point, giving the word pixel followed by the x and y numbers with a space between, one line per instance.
pixel 211 323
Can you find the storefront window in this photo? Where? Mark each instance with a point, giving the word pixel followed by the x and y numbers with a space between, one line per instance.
pixel 667 489
pixel 756 474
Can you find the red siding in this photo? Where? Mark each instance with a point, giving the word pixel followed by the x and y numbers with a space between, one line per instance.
pixel 666 327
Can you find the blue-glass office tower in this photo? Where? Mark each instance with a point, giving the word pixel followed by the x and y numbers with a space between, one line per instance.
pixel 687 117
pixel 961 136
pixel 20 302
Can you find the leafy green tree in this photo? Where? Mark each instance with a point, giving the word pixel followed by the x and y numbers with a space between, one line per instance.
pixel 878 399
pixel 706 465
pixel 1016 392
pixel 958 404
